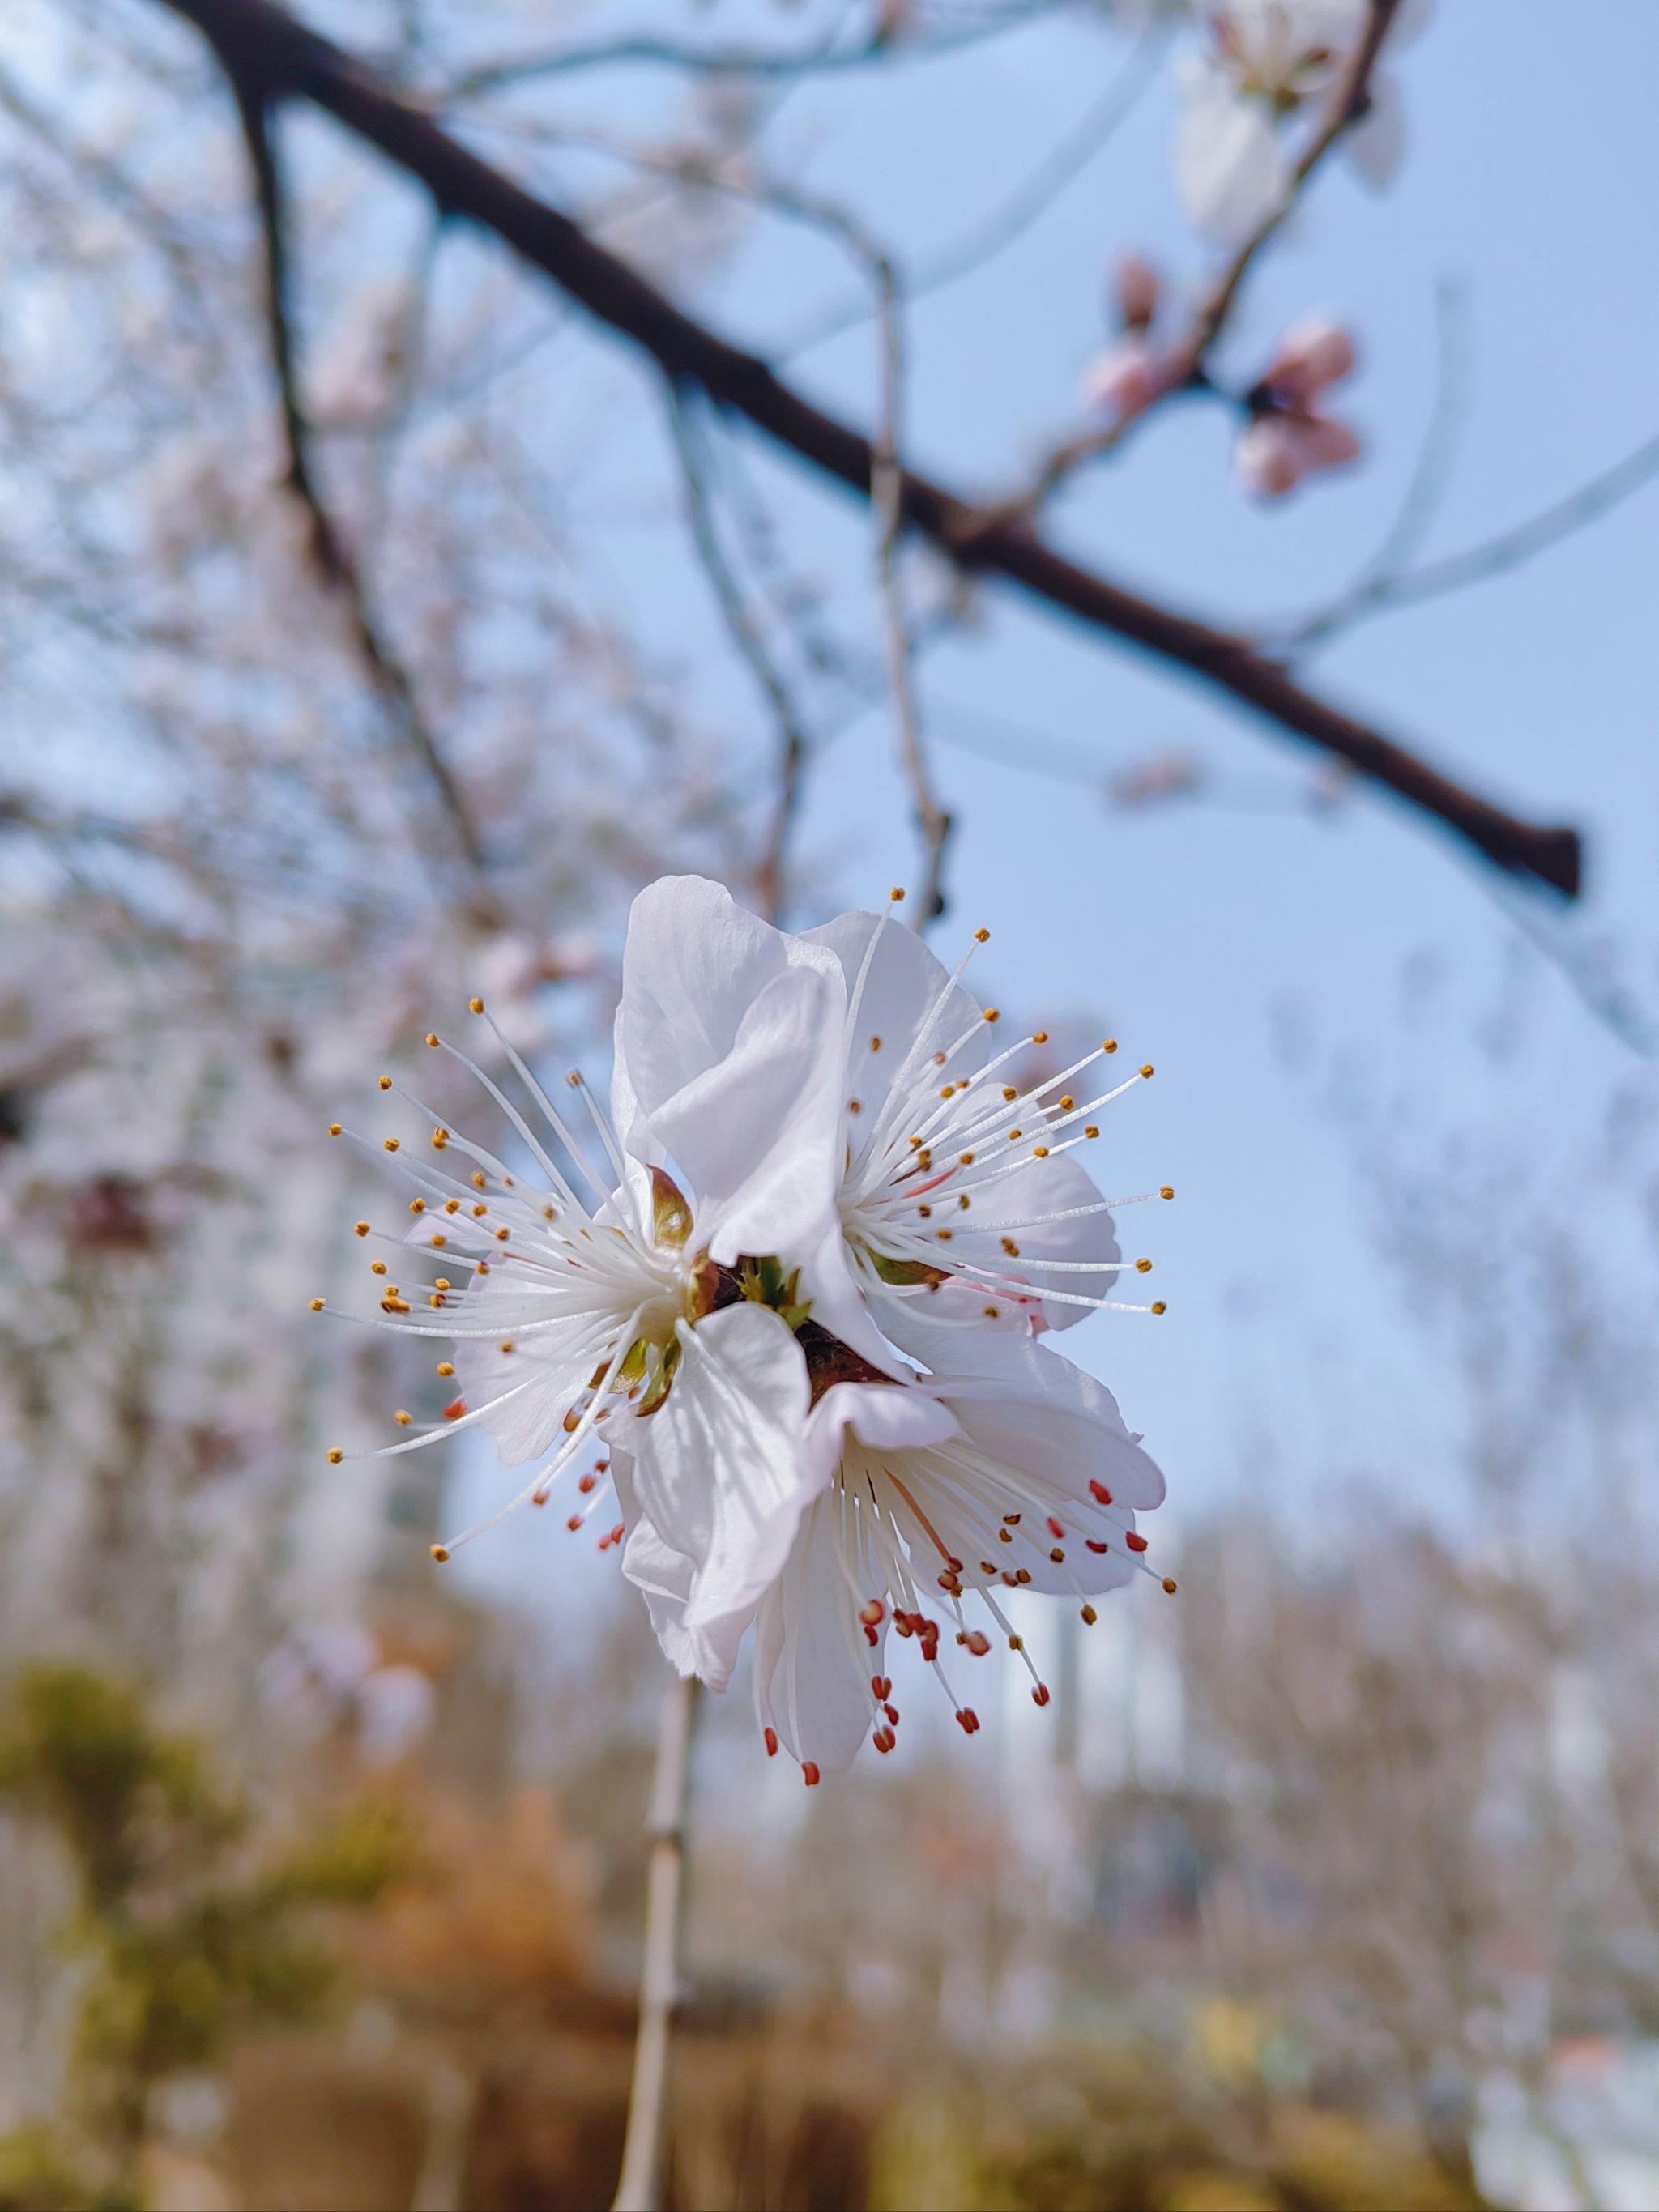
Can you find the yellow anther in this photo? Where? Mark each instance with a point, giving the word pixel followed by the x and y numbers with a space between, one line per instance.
pixel 480 1181
pixel 479 1209
pixel 441 1283
pixel 896 895
pixel 334 1455
pixel 1169 1585
pixel 451 1206
pixel 1167 1191
pixel 1159 1306
pixel 994 1013
pixel 417 1205
pixel 438 1243
pixel 317 1305
pixel 949 1091
pixel 1143 1267
pixel 926 1211
pixel 1147 1069
pixel 964 1202
pixel 377 1266
pixel 1011 1247
pixel 362 1228
pixel 945 1235
pixel 334 1129
pixel 438 1553
pixel 875 1044
pixel 1016 1643
pixel 1091 1130
pixel 476 1005
pixel 981 936
pixel 993 1313
pixel 1067 1104
pixel 1039 1036
pixel 401 1418
pixel 502 1236
pixel 435 1301
pixel 432 1036
pixel 446 1367
pixel 385 1083
pixel 440 1139
pixel 1110 1045
pixel 506 1343
pixel 855 1105
pixel 1088 1616
pixel 964 1159
pixel 1039 1152
pixel 389 1143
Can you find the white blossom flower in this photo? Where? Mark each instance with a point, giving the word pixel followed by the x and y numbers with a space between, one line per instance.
pixel 933 1497
pixel 1264 60
pixel 581 1301
pixel 923 1184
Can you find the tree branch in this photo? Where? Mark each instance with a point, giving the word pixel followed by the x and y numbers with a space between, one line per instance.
pixel 287 60
pixel 333 562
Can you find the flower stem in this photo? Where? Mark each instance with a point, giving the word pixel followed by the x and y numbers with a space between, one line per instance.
pixel 640 2189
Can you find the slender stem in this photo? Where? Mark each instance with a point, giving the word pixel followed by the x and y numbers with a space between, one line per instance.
pixel 640 2189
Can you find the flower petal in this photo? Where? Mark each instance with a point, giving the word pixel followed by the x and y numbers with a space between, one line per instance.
pixel 720 1470
pixel 1230 165
pixel 667 1577
pixel 902 983
pixel 813 1661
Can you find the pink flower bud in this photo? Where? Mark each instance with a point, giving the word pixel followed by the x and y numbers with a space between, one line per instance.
pixel 1138 288
pixel 1265 460
pixel 1313 354
pixel 1122 381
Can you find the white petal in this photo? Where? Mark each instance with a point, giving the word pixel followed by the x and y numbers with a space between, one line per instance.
pixel 667 1577
pixel 812 1662
pixel 1378 145
pixel 895 1417
pixel 903 981
pixel 1230 165
pixel 720 1468
pixel 563 1357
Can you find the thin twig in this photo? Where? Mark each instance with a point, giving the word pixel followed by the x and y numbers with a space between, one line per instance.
pixel 640 2189
pixel 291 61
pixel 793 740
pixel 1013 215
pixel 1510 550
pixel 333 562
pixel 879 48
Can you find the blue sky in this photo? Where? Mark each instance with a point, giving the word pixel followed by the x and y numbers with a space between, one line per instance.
pixel 1205 933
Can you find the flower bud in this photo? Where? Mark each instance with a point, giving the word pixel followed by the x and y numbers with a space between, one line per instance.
pixel 1139 287
pixel 1122 381
pixel 1313 354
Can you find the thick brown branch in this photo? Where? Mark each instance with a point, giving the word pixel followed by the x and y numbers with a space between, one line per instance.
pixel 284 59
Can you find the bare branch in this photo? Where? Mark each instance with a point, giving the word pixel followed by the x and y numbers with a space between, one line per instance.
pixel 1510 550
pixel 793 740
pixel 334 563
pixel 289 60
pixel 880 47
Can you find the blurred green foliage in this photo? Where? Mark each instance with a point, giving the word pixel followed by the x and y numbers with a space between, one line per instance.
pixel 187 1930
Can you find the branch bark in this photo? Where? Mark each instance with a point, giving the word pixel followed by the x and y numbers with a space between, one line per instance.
pixel 285 60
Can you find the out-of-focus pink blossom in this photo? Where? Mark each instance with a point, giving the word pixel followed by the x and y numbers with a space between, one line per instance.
pixel 1139 290
pixel 1124 379
pixel 1313 354
pixel 1275 451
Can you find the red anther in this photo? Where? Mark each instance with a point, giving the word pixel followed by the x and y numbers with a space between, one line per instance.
pixel 1093 1546
pixel 809 1773
pixel 1135 1543
pixel 977 1641
pixel 454 1409
pixel 618 1532
pixel 950 1584
pixel 574 1523
pixel 871 1639
pixel 871 1614
pixel 1099 1493
pixel 1040 1695
pixel 1054 1529
pixel 881 1686
pixel 883 1739
pixel 588 1482
pixel 955 1565
pixel 970 1720
pixel 771 1736
pixel 891 1712
pixel 538 1498
pixel 902 1622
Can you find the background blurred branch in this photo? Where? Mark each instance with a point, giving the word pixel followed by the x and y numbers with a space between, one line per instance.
pixel 285 59
pixel 333 562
